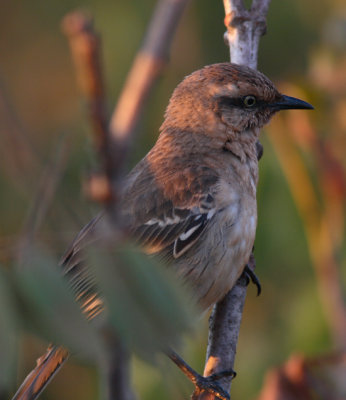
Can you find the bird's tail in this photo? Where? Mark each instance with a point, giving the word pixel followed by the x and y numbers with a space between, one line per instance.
pixel 86 293
pixel 46 367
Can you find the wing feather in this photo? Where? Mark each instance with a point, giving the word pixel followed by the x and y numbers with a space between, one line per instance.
pixel 180 232
pixel 174 208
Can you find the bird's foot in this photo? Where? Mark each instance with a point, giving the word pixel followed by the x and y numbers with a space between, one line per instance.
pixel 252 277
pixel 208 384
pixel 202 384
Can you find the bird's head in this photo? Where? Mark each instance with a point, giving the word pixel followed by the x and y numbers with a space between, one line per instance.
pixel 230 95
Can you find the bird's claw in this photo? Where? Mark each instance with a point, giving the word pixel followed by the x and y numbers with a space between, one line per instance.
pixel 209 384
pixel 252 277
pixel 204 384
pixel 222 374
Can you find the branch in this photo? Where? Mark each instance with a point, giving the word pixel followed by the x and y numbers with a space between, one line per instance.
pixel 47 187
pixel 117 373
pixel 85 46
pixel 224 324
pixel 260 7
pixel 85 49
pixel 244 29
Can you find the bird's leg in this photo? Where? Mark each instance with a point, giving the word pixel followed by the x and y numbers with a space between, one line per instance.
pixel 202 384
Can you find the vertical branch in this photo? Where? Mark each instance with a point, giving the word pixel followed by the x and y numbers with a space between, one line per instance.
pixel 117 374
pixel 47 187
pixel 17 151
pixel 244 29
pixel 85 48
pixel 224 325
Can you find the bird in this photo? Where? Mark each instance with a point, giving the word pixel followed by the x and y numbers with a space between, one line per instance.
pixel 191 201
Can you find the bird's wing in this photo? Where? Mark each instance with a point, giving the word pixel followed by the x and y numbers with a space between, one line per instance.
pixel 177 227
pixel 171 211
pixel 78 275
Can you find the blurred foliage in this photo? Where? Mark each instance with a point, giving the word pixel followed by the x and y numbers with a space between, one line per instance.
pixel 50 307
pixel 40 105
pixel 145 305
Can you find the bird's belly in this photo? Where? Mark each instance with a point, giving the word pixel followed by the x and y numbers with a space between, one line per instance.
pixel 227 248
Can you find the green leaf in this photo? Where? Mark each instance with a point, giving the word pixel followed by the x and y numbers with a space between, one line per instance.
pixel 146 305
pixel 53 309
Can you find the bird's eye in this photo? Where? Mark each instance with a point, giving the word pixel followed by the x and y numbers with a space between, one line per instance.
pixel 249 101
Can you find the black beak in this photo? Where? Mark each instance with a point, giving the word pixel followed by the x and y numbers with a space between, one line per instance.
pixel 290 103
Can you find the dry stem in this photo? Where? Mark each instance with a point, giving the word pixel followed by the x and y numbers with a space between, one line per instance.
pixel 86 52
pixel 244 29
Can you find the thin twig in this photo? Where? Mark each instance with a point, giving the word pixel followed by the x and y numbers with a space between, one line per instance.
pixel 47 187
pixel 86 52
pixel 21 159
pixel 16 150
pixel 85 46
pixel 204 387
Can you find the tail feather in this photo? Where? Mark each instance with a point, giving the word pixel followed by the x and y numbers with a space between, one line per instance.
pixel 47 366
pixel 85 290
